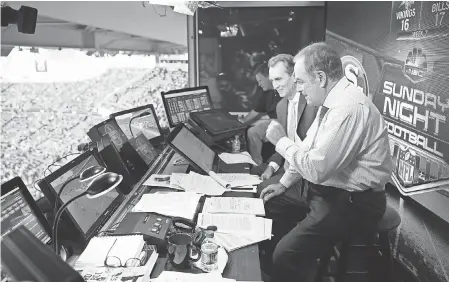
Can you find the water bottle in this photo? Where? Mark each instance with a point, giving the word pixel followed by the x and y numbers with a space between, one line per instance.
pixel 236 144
pixel 209 250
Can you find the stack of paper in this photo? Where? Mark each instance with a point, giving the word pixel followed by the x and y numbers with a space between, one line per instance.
pixel 176 204
pixel 136 274
pixel 230 180
pixel 99 248
pixel 234 205
pixel 196 183
pixel 237 230
pixel 237 158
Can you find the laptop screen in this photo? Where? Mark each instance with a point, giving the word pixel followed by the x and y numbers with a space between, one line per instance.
pixel 16 211
pixel 194 149
pixel 85 212
pixel 140 120
pixel 180 103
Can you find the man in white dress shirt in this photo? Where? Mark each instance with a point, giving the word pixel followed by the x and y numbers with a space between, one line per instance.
pixel 344 163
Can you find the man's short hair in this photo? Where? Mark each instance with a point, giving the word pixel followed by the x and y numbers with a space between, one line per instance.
pixel 321 57
pixel 286 59
pixel 262 69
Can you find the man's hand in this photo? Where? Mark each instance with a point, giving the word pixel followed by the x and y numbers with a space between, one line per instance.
pixel 271 191
pixel 275 132
pixel 267 173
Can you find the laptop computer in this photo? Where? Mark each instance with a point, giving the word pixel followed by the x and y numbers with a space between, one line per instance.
pixel 18 208
pixel 199 155
pixel 180 103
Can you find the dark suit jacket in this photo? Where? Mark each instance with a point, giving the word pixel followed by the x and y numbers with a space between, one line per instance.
pixel 281 111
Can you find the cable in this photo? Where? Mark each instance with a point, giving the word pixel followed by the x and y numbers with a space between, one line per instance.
pixel 35 187
pixel 138 116
pixel 63 157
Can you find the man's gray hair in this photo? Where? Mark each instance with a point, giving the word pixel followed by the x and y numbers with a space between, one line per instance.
pixel 287 59
pixel 321 57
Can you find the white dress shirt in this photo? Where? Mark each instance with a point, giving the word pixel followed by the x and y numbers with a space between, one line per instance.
pixel 292 109
pixel 348 149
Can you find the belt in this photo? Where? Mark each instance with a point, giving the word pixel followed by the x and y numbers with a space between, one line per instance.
pixel 370 190
pixel 377 189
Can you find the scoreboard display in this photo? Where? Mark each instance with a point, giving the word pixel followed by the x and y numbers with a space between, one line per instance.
pixel 413 20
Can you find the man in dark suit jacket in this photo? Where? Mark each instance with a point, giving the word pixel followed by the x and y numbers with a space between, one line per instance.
pixel 281 75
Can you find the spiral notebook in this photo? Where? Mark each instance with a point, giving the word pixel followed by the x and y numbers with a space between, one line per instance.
pixel 99 248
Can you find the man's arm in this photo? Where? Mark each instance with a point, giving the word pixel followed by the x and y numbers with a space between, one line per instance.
pixel 252 117
pixel 338 141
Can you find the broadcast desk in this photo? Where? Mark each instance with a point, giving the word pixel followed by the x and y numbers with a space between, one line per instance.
pixel 243 265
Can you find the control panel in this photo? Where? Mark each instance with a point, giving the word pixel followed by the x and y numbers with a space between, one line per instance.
pixel 154 227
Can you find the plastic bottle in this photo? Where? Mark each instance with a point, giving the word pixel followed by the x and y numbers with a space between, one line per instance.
pixel 209 250
pixel 236 144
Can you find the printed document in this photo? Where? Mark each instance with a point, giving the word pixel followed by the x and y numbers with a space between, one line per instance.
pixel 202 184
pixel 160 180
pixel 182 204
pixel 239 179
pixel 233 242
pixel 237 158
pixel 235 205
pixel 243 225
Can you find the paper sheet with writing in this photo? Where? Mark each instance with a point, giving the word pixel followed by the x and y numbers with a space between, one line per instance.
pixel 233 242
pixel 237 158
pixel 202 184
pixel 176 179
pixel 239 224
pixel 239 179
pixel 182 204
pixel 161 180
pixel 234 205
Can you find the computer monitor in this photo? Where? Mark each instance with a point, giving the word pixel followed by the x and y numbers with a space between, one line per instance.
pixel 180 103
pixel 18 208
pixel 141 127
pixel 85 215
pixel 140 120
pixel 109 132
pixel 192 148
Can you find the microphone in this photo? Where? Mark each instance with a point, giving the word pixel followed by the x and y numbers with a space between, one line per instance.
pixel 133 118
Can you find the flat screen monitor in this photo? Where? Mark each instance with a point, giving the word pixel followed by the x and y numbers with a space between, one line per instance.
pixel 192 148
pixel 107 132
pixel 139 120
pixel 20 209
pixel 180 103
pixel 141 127
pixel 86 215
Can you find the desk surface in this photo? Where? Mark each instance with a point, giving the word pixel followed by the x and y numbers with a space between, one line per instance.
pixel 243 265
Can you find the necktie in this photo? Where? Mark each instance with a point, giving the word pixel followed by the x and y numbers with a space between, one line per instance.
pixel 292 120
pixel 306 120
pixel 291 130
pixel 323 112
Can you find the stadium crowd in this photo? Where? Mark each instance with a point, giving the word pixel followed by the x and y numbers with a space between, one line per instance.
pixel 42 122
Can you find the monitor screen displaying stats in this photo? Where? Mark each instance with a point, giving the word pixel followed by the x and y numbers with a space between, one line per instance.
pixel 180 103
